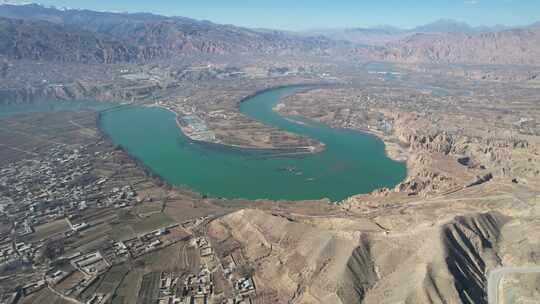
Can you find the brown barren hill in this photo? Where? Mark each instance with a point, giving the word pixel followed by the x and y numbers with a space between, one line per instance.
pixel 516 46
pixel 308 260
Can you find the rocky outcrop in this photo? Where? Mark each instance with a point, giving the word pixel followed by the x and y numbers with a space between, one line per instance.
pixel 361 273
pixel 440 142
pixel 490 157
pixel 471 244
pixel 425 182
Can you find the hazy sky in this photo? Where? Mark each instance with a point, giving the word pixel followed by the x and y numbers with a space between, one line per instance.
pixel 310 14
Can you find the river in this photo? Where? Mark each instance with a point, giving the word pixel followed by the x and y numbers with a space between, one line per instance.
pixel 352 162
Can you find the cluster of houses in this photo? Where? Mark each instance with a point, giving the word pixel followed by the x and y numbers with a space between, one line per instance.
pixel 190 289
pixel 54 193
pixel 10 297
pixel 58 185
pixel 190 121
pixel 167 288
pixel 154 240
pixel 198 288
pixel 174 288
pixel 98 298
pixel 243 285
pixel 8 255
pixel 91 263
pixel 82 271
pixel 205 248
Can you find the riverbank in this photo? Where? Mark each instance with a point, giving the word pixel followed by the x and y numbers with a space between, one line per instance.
pixel 352 162
pixel 150 137
pixel 148 171
pixel 393 150
pixel 277 151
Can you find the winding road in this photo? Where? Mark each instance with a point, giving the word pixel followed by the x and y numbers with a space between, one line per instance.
pixel 495 276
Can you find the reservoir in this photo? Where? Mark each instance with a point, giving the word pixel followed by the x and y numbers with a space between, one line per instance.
pixel 352 162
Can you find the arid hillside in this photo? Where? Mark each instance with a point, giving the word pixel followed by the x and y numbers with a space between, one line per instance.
pixel 517 47
pixel 41 40
pixel 411 254
pixel 47 34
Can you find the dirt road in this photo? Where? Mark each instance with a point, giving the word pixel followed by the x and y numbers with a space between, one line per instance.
pixel 495 276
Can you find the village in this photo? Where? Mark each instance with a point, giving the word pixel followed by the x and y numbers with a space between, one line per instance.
pixel 51 201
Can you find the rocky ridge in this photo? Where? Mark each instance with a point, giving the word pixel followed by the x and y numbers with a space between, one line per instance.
pixel 303 259
pixel 39 33
pixel 513 47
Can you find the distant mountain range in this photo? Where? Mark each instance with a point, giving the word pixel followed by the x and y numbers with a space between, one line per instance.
pixel 515 46
pixel 41 40
pixel 383 34
pixel 367 36
pixel 445 42
pixel 453 26
pixel 37 32
pixel 41 33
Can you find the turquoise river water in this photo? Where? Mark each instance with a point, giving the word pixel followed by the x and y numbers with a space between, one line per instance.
pixel 352 163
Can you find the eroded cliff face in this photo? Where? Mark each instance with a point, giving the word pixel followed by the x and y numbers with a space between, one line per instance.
pixel 499 155
pixel 449 142
pixel 472 246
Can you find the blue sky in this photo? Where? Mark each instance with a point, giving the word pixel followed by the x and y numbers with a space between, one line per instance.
pixel 316 14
